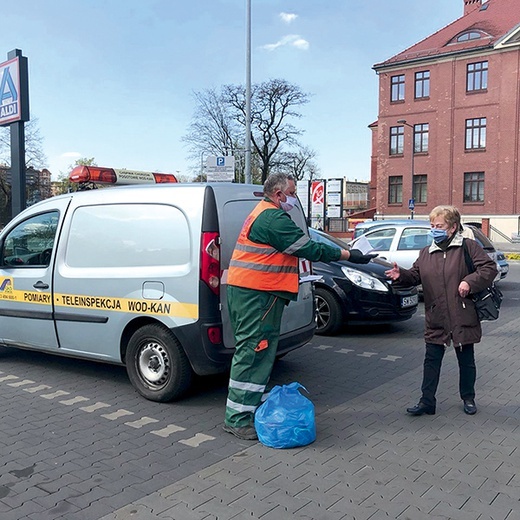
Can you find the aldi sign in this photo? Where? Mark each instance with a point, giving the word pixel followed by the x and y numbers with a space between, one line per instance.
pixel 11 109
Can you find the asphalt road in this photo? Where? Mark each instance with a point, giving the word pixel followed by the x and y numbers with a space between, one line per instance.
pixel 79 443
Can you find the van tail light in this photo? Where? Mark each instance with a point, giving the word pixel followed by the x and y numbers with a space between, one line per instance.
pixel 210 261
pixel 215 335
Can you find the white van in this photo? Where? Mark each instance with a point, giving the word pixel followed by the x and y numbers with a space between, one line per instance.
pixel 132 275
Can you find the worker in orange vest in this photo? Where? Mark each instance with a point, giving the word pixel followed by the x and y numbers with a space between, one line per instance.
pixel 262 279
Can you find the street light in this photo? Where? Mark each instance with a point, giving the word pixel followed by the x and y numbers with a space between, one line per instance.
pixel 248 95
pixel 411 202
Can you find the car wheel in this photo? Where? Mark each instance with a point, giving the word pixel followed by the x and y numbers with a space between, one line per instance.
pixel 157 365
pixel 328 313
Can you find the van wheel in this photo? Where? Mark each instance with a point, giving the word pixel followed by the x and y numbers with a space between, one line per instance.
pixel 156 364
pixel 328 313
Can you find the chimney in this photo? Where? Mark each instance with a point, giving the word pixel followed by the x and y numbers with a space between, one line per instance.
pixel 470 5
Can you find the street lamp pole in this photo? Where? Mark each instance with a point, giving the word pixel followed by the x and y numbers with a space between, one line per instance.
pixel 248 95
pixel 411 202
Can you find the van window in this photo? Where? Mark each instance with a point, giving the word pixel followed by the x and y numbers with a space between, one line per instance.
pixel 128 235
pixel 30 243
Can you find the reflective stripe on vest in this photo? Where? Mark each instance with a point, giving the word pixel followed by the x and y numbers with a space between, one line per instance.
pixel 260 266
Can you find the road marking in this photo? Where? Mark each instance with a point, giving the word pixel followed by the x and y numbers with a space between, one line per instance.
pixel 117 414
pixel 58 393
pixel 36 389
pixel 391 358
pixel 75 400
pixel 344 350
pixel 193 442
pixel 197 440
pixel 166 432
pixel 95 407
pixel 143 421
pixel 8 378
pixel 21 383
pixel 388 357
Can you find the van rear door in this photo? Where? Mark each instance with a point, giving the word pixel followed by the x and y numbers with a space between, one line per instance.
pixel 233 210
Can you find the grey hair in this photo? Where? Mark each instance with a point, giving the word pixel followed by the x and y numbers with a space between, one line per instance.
pixel 450 214
pixel 275 182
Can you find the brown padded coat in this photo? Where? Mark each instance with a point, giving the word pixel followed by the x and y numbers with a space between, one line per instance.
pixel 448 316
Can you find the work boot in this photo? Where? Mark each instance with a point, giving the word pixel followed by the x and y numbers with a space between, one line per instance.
pixel 246 433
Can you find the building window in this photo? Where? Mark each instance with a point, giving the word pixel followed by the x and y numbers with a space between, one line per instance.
pixel 470 35
pixel 476 133
pixel 422 84
pixel 420 188
pixel 420 138
pixel 397 88
pixel 396 140
pixel 474 187
pixel 395 189
pixel 477 76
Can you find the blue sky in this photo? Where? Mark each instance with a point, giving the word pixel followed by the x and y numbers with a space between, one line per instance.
pixel 114 79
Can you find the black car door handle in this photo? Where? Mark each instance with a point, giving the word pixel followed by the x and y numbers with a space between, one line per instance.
pixel 41 285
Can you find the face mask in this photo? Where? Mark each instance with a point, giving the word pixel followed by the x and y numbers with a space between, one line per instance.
pixel 439 235
pixel 288 204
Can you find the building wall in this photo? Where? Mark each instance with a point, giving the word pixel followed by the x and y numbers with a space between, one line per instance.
pixel 446 111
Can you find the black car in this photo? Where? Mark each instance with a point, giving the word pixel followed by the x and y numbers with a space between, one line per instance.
pixel 357 294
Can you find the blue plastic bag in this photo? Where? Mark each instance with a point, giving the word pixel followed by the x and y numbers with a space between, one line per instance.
pixel 286 418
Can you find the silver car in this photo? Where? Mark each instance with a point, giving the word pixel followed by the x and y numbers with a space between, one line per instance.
pixel 401 242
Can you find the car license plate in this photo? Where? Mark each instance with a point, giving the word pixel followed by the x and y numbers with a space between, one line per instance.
pixel 409 301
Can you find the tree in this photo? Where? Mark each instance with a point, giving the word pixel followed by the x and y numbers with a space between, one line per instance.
pixel 218 125
pixel 299 163
pixel 273 103
pixel 35 160
pixel 65 186
pixel 213 130
pixel 34 155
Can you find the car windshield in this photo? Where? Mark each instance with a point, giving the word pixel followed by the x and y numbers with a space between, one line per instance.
pixel 414 238
pixel 381 239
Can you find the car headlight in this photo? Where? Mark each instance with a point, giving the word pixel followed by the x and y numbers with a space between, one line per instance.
pixel 363 280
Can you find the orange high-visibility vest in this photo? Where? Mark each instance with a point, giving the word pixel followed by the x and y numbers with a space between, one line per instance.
pixel 261 266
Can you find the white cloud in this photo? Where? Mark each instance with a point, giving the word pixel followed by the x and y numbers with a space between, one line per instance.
pixel 293 40
pixel 300 43
pixel 288 17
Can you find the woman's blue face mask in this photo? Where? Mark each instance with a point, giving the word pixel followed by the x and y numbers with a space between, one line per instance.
pixel 439 235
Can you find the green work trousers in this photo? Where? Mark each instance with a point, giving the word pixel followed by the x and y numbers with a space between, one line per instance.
pixel 256 317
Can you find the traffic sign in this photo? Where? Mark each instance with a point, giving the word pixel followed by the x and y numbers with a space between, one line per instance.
pixel 411 203
pixel 220 168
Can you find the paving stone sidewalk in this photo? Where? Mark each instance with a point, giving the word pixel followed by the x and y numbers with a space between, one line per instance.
pixel 371 461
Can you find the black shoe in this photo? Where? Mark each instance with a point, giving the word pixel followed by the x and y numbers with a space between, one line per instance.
pixel 470 407
pixel 420 409
pixel 246 433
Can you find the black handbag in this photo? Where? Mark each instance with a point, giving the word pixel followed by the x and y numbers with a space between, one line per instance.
pixel 487 302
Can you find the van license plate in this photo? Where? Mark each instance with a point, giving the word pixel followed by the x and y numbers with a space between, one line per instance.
pixel 409 301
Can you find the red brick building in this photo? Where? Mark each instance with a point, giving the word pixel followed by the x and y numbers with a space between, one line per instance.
pixel 454 100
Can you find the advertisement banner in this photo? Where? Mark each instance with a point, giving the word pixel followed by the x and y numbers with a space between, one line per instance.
pixel 318 198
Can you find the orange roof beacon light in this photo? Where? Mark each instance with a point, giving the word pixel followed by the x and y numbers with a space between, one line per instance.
pixel 88 176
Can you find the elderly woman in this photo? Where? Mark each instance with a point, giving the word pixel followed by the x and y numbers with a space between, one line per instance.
pixel 450 315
